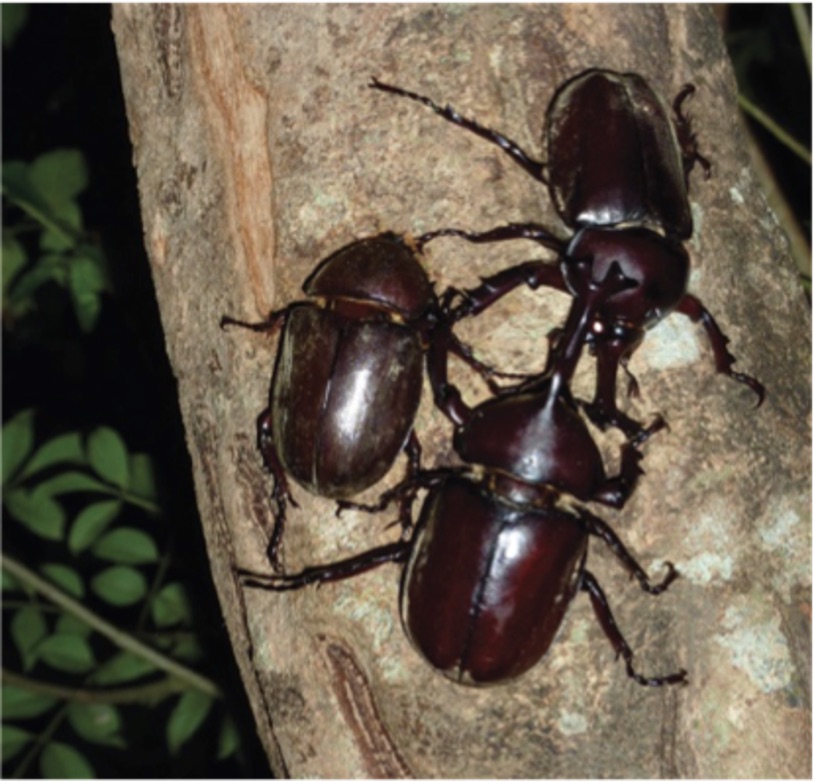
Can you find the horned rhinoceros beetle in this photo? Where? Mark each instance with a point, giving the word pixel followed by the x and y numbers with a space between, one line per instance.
pixel 617 172
pixel 348 376
pixel 498 554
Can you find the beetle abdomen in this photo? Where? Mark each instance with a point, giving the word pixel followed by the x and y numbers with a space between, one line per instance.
pixel 344 397
pixel 488 583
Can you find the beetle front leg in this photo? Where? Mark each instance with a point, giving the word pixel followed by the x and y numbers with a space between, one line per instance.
pixel 280 493
pixel 695 311
pixel 612 352
pixel 336 571
pixel 268 326
pixel 603 613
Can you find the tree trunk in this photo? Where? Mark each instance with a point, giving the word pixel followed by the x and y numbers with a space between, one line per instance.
pixel 259 152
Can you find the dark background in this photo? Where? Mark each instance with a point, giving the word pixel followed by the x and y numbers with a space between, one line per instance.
pixel 61 89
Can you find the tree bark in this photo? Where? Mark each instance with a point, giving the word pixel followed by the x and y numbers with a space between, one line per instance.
pixel 259 152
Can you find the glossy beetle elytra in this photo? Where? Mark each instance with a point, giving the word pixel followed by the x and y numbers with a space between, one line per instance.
pixel 498 552
pixel 617 172
pixel 348 375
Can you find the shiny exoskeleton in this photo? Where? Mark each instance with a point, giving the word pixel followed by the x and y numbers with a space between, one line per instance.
pixel 617 172
pixel 499 550
pixel 347 380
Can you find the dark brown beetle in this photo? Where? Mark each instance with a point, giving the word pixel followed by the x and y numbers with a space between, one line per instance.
pixel 498 552
pixel 617 171
pixel 347 380
pixel 349 370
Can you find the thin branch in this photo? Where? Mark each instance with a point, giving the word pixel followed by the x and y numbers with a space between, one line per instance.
pixel 122 639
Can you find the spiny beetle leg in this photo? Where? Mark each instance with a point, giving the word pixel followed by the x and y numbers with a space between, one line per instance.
pixel 336 571
pixel 603 613
pixel 534 167
pixel 695 311
pixel 686 137
pixel 281 494
pixel 602 530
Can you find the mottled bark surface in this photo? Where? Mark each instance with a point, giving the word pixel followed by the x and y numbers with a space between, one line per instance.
pixel 260 151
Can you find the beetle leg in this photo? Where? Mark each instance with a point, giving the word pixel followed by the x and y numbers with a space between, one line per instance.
pixel 603 613
pixel 401 491
pixel 487 373
pixel 336 571
pixel 534 167
pixel 493 288
pixel 280 494
pixel 686 138
pixel 271 324
pixel 413 450
pixel 610 353
pixel 532 231
pixel 695 311
pixel 632 384
pixel 602 530
pixel 615 491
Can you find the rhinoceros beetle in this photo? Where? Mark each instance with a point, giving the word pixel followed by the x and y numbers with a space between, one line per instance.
pixel 347 380
pixel 349 371
pixel 499 552
pixel 617 171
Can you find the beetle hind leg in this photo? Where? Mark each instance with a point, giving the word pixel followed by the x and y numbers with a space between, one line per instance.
pixel 604 615
pixel 335 571
pixel 281 493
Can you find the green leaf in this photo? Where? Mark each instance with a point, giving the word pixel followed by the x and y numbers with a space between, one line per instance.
pixel 72 481
pixel 122 667
pixel 66 578
pixel 48 268
pixel 15 16
pixel 185 647
pixel 126 545
pixel 59 175
pixel 28 629
pixel 187 716
pixel 65 229
pixel 92 522
pixel 20 704
pixel 120 585
pixel 10 584
pixel 86 281
pixel 18 440
pixel 99 723
pixel 14 260
pixel 171 606
pixel 65 449
pixel 20 190
pixel 62 761
pixel 68 624
pixel 142 477
pixel 228 738
pixel 108 455
pixel 41 514
pixel 14 739
pixel 68 653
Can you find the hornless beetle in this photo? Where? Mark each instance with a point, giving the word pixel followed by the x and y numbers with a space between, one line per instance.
pixel 348 375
